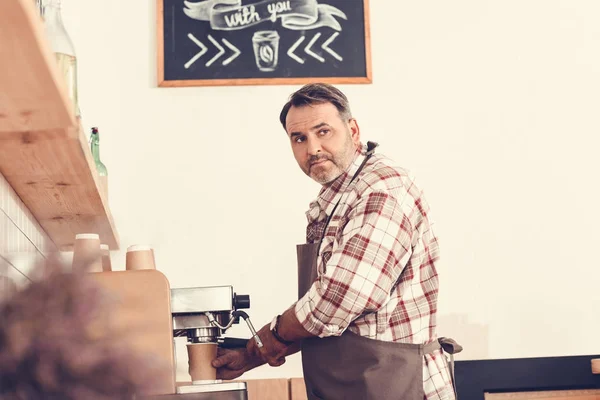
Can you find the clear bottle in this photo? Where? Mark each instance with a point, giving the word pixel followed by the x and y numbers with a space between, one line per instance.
pixel 63 48
pixel 100 167
pixel 39 6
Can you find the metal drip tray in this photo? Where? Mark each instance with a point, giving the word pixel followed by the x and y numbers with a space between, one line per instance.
pixel 212 387
pixel 208 391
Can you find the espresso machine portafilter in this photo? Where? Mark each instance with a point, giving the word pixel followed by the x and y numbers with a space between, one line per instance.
pixel 203 315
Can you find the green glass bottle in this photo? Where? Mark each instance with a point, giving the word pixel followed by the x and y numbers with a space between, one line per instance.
pixel 100 167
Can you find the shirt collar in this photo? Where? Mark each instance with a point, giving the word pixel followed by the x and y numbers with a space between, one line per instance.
pixel 331 192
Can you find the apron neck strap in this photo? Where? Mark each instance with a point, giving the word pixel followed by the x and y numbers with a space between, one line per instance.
pixel 371 148
pixel 370 151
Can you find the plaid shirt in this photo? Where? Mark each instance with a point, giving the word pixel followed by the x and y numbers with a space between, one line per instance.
pixel 376 264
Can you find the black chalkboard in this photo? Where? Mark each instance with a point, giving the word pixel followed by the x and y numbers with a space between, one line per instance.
pixel 237 42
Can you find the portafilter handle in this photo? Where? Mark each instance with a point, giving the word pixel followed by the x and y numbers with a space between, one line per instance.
pixel 233 343
pixel 242 314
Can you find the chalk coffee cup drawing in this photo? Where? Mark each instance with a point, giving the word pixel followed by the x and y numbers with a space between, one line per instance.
pixel 86 253
pixel 139 257
pixel 105 253
pixel 200 357
pixel 266 50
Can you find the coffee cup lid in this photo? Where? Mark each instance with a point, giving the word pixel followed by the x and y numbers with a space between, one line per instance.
pixel 138 247
pixel 87 236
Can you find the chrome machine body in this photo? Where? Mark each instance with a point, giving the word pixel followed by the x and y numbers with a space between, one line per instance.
pixel 203 315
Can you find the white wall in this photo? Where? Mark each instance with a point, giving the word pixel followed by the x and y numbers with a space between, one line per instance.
pixel 23 242
pixel 493 104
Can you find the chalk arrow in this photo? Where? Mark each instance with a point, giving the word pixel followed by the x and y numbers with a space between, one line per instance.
pixel 325 47
pixel 203 50
pixel 218 55
pixel 308 50
pixel 290 52
pixel 236 52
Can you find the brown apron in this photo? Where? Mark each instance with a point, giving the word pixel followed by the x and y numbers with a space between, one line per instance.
pixel 351 366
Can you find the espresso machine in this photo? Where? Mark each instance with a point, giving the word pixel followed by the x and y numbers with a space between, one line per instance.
pixel 203 315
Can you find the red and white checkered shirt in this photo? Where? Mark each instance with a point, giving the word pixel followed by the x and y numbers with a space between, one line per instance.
pixel 376 264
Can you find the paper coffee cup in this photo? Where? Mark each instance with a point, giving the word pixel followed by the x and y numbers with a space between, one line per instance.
pixel 86 253
pixel 105 252
pixel 200 356
pixel 139 257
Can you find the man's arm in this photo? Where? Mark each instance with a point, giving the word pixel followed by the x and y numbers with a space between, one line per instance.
pixel 290 328
pixel 363 265
pixel 273 350
pixel 359 276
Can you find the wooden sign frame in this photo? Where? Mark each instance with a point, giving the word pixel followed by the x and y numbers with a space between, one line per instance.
pixel 257 81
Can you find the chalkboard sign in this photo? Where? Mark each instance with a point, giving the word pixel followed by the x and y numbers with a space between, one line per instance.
pixel 252 42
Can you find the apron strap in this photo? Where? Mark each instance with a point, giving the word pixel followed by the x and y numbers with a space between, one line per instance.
pixel 451 347
pixel 370 151
pixel 430 347
pixel 371 147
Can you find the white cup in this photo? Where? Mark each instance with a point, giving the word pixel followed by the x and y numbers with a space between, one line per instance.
pixel 105 252
pixel 139 257
pixel 86 253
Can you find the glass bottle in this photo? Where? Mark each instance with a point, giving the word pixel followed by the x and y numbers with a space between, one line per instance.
pixel 39 7
pixel 63 48
pixel 100 167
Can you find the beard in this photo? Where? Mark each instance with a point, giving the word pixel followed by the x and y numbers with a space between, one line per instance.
pixel 325 168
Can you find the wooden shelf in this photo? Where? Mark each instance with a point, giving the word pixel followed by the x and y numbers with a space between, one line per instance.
pixel 44 154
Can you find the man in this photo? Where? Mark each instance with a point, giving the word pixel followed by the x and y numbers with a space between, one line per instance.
pixel 365 320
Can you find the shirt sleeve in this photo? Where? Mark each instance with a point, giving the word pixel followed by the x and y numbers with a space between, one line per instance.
pixel 364 266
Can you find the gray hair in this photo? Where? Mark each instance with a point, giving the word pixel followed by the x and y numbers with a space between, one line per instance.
pixel 317 93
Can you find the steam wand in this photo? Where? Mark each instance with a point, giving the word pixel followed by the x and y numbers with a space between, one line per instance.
pixel 234 314
pixel 242 314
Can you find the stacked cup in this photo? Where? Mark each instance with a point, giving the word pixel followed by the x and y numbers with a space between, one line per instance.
pixel 89 255
pixel 86 253
pixel 139 257
pixel 105 252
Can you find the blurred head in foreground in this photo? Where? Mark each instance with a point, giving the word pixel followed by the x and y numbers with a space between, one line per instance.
pixel 53 344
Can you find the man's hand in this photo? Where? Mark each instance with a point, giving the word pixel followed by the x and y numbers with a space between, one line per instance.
pixel 233 363
pixel 273 351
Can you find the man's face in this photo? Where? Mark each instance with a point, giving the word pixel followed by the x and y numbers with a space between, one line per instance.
pixel 323 143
